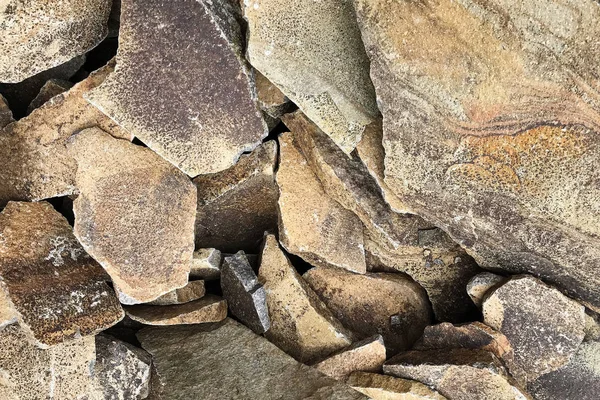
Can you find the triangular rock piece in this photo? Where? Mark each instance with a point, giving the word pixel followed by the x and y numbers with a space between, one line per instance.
pixel 58 291
pixel 384 387
pixel 190 292
pixel 209 308
pixel 367 355
pixel 271 100
pixel 481 284
pixel 204 116
pixel 206 264
pixel 6 116
pixel 134 215
pixel 51 88
pixel 8 315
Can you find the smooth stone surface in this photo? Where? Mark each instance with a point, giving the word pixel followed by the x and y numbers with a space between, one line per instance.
pixel 206 264
pixel 367 355
pixel 57 290
pixel 543 326
pixel 301 324
pixel 51 88
pixel 481 284
pixel 313 52
pixel 313 225
pixel 200 119
pixel 209 308
pixel 134 215
pixel 384 387
pixel 6 116
pixel 236 206
pixel 229 361
pixel 389 304
pixel 190 292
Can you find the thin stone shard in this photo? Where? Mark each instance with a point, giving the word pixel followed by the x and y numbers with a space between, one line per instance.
pixel 384 387
pixel 209 308
pixel 190 292
pixel 51 88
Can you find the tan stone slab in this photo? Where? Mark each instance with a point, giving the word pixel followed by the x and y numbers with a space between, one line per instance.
pixel 209 308
pixel 384 387
pixel 366 355
pixel 8 315
pixel 190 292
pixel 481 284
pixel 51 88
pixel 206 264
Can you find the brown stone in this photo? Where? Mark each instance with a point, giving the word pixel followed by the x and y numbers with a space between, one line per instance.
pixel 134 215
pixel 543 326
pixel 58 291
pixel 271 100
pixel 8 315
pixel 389 304
pixel 312 225
pixel 368 355
pixel 203 117
pixel 190 292
pixel 481 284
pixel 206 264
pixel 236 206
pixel 209 308
pixel 301 324
pixel 383 387
pixel 51 88
pixel 6 116
pixel 592 327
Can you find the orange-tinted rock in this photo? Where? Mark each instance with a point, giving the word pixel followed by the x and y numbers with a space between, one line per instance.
pixel 367 355
pixel 52 88
pixel 207 309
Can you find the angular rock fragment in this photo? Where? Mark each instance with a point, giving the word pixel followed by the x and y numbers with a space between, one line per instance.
pixel 481 284
pixel 592 327
pixel 52 88
pixel 209 308
pixel 312 225
pixel 190 292
pixel 271 100
pixel 8 315
pixel 58 291
pixel 204 116
pixel 39 35
pixel 236 206
pixel 134 215
pixel 206 264
pixel 384 387
pixel 301 324
pixel 389 304
pixel 313 52
pixel 121 371
pixel 367 355
pixel 6 116
pixel 543 326
pixel 245 296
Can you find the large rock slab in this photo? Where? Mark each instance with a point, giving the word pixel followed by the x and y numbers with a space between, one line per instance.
pixel 384 387
pixel 236 206
pixel 366 355
pixel 57 290
pixel 389 304
pixel 204 116
pixel 39 35
pixel 134 215
pixel 313 52
pixel 209 308
pixel 313 225
pixel 229 361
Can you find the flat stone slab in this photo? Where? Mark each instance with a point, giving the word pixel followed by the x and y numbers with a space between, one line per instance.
pixel 209 308
pixel 367 355
pixel 190 292
pixel 384 387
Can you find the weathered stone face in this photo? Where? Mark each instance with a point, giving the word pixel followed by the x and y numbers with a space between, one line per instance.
pixel 6 116
pixel 384 387
pixel 209 308
pixel 271 100
pixel 491 128
pixel 190 292
pixel 134 215
pixel 51 88
pixel 200 118
pixel 206 264
pixel 8 315
pixel 57 290
pixel 481 284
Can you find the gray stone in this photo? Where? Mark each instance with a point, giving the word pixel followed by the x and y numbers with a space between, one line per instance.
pixel 206 264
pixel 190 292
pixel 481 284
pixel 51 88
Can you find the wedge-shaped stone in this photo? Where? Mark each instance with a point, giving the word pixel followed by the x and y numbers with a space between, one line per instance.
pixel 36 164
pixel 592 327
pixel 206 264
pixel 481 284
pixel 134 215
pixel 39 35
pixel 543 326
pixel 51 88
pixel 313 52
pixel 271 100
pixel 8 315
pixel 491 128
pixel 246 297
pixel 367 355
pixel 383 387
pixel 204 116
pixel 58 291
pixel 236 206
pixel 209 308
pixel 301 324
pixel 6 116
pixel 390 304
pixel 190 292
pixel 312 225
pixel 229 361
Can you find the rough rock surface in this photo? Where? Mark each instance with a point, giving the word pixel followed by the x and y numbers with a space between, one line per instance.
pixel 388 304
pixel 209 308
pixel 229 361
pixel 8 315
pixel 206 264
pixel 39 35
pixel 190 292
pixel 384 387
pixel 134 215
pixel 366 355
pixel 271 100
pixel 236 206
pixel 202 117
pixel 543 326
pixel 52 88
pixel 481 284
pixel 246 297
pixel 592 327
pixel 58 291
pixel 6 116
pixel 301 324
pixel 312 225
pixel 313 52
pixel 491 120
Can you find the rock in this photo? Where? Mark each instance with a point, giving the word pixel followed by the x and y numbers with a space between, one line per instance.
pixel 383 387
pixel 313 52
pixel 367 355
pixel 40 35
pixel 479 108
pixel 8 314
pixel 301 325
pixel 121 371
pixel 592 327
pixel 457 373
pixel 543 326
pixel 271 100
pixel 204 116
pixel 190 292
pixel 209 308
pixel 481 284
pixel 312 225
pixel 206 264
pixel 388 304
pixel 229 361
pixel 52 88
pixel 245 296
pixel 236 206
pixel 6 116
pixel 36 164
pixel 58 291
pixel 134 215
